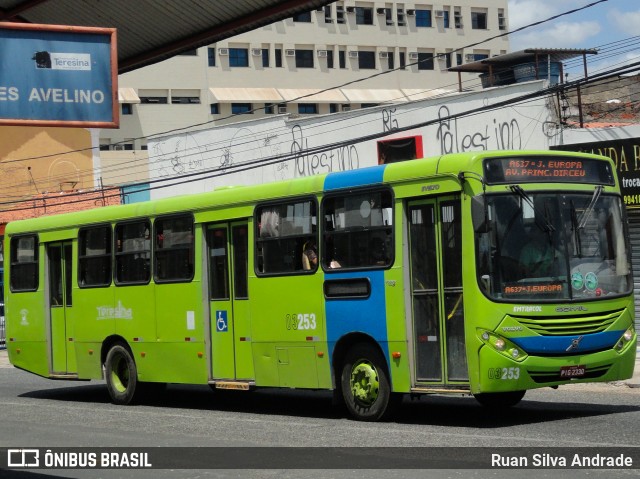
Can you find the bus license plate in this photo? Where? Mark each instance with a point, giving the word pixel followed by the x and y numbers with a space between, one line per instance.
pixel 572 371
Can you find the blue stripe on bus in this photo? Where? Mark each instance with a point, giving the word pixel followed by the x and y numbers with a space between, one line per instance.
pixel 559 344
pixel 368 316
pixel 353 178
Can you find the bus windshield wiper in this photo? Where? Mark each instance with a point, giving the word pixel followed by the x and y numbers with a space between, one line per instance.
pixel 546 226
pixel 582 221
pixel 576 230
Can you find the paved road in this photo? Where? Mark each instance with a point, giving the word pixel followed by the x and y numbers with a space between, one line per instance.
pixel 35 412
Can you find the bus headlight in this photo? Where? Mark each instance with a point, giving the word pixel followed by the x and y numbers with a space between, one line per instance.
pixel 502 345
pixel 626 337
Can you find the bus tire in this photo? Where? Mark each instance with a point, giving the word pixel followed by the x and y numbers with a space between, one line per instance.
pixel 365 384
pixel 500 400
pixel 121 374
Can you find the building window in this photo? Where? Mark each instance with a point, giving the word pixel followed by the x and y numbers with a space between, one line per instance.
pixel 327 14
pixel 342 59
pixel 425 61
pixel 241 108
pixel 302 17
pixel 211 55
pixel 268 108
pixel 366 60
pixel 364 16
pixel 24 263
pixel 278 54
pixel 358 230
pixel 127 109
pixel 304 58
pixel 333 108
pixel 330 58
pixel 423 18
pixel 307 108
pixel 284 233
pixel 403 60
pixel 185 100
pixel 446 20
pixel 238 57
pixel 340 14
pixel 265 57
pixel 390 61
pixel 133 252
pixel 458 58
pixel 94 256
pixel 153 99
pixel 215 109
pixel 174 247
pixel 447 59
pixel 479 20
pixel 457 19
pixel 502 21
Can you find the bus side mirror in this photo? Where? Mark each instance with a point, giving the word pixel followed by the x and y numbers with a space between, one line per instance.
pixel 479 214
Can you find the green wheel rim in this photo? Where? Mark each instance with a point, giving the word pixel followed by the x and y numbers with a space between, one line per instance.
pixel 120 374
pixel 364 382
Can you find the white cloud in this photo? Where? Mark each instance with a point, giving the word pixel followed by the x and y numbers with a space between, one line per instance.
pixel 626 22
pixel 524 12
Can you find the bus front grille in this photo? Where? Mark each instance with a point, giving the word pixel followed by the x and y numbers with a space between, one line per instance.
pixel 570 325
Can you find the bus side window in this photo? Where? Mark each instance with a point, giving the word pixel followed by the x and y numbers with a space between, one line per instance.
pixel 94 256
pixel 24 263
pixel 133 252
pixel 284 230
pixel 174 249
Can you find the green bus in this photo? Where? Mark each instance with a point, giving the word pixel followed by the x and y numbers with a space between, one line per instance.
pixel 480 273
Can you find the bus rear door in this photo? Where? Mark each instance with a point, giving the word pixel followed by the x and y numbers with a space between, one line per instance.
pixel 60 274
pixel 227 253
pixel 436 293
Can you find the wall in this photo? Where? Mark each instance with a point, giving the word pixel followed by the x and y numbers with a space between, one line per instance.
pixel 203 160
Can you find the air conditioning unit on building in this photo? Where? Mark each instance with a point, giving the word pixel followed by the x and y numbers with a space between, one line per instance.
pixel 289 53
pixel 256 52
pixel 413 55
pixel 351 9
pixel 322 53
pixel 223 52
pixel 439 14
pixel 381 11
pixel 411 12
pixel 469 57
pixel 346 107
pixel 384 54
pixel 353 54
pixel 282 109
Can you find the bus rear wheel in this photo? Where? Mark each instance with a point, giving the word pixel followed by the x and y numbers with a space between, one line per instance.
pixel 365 384
pixel 500 400
pixel 121 375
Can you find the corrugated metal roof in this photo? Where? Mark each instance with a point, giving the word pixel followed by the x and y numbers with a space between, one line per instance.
pixel 150 31
pixel 522 56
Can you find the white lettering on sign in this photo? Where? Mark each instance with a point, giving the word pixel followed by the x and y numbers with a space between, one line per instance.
pixel 70 61
pixel 9 93
pixel 62 95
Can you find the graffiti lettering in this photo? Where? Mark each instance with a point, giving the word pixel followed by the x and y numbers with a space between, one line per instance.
pixel 388 122
pixel 341 159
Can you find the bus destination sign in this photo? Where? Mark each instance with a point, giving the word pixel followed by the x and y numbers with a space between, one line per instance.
pixel 539 169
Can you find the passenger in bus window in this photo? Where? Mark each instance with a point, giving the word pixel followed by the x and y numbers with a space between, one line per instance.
pixel 310 256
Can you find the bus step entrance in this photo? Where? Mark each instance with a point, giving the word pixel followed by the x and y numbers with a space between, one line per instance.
pixel 440 390
pixel 235 385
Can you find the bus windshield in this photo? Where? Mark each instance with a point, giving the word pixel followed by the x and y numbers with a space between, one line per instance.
pixel 551 246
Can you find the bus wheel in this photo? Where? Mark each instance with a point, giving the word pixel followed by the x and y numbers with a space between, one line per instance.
pixel 122 375
pixel 365 383
pixel 500 400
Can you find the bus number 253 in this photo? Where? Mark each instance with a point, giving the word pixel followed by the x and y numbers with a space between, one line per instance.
pixel 301 321
pixel 504 373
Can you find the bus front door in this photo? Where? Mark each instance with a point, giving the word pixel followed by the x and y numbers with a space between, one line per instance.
pixel 60 272
pixel 436 293
pixel 227 254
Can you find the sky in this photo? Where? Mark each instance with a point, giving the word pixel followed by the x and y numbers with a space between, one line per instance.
pixel 601 24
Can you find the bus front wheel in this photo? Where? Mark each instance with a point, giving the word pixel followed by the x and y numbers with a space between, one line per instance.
pixel 499 400
pixel 121 375
pixel 365 383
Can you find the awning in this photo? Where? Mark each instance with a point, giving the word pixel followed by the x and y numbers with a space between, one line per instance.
pixel 423 94
pixel 230 95
pixel 128 95
pixel 374 96
pixel 312 96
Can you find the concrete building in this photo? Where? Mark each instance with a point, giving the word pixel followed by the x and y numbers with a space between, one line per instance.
pixel 287 67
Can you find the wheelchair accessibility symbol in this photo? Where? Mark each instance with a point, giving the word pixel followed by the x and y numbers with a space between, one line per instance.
pixel 221 322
